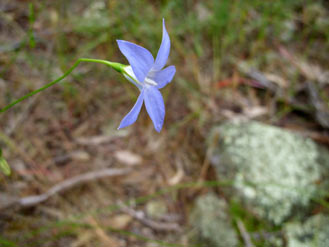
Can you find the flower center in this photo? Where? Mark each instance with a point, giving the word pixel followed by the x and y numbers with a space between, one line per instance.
pixel 129 74
pixel 150 82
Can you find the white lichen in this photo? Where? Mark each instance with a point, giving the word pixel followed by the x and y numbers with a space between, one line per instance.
pixel 211 221
pixel 314 232
pixel 272 169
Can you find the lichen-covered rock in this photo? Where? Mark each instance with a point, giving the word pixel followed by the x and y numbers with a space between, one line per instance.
pixel 211 221
pixel 314 232
pixel 272 169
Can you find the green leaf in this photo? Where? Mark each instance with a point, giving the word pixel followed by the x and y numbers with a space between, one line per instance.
pixel 4 167
pixel 6 243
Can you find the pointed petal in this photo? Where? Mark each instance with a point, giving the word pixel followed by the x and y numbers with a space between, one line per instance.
pixel 140 59
pixel 155 106
pixel 163 77
pixel 131 117
pixel 164 50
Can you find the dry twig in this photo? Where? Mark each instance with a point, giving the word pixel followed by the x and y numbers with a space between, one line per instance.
pixel 244 234
pixel 65 185
pixel 141 217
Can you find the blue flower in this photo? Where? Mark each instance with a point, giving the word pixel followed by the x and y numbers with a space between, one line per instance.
pixel 148 76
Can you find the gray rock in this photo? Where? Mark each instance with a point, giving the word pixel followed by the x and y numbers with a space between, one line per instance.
pixel 314 232
pixel 272 169
pixel 212 224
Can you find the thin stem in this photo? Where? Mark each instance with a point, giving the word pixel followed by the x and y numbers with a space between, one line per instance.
pixel 117 66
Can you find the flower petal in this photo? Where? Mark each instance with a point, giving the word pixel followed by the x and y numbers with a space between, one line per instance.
pixel 164 50
pixel 155 106
pixel 131 117
pixel 132 77
pixel 163 77
pixel 140 59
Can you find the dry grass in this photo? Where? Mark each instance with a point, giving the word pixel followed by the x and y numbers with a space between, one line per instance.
pixel 70 129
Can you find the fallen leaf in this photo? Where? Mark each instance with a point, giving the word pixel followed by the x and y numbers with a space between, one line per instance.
pixel 128 158
pixel 120 221
pixel 277 79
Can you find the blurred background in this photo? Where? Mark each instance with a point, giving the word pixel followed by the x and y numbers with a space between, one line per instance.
pixel 252 69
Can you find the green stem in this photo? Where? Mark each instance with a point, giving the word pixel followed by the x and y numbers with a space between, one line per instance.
pixel 117 66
